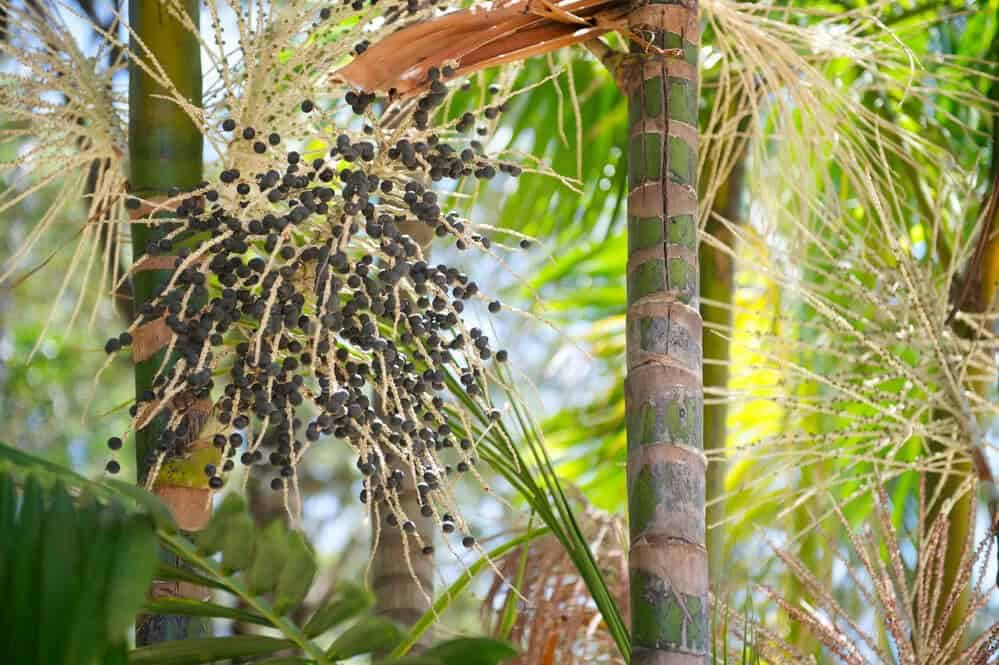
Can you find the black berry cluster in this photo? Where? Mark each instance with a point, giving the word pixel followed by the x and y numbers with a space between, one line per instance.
pixel 302 307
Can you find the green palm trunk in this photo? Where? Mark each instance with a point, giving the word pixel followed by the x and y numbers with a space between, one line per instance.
pixel 165 151
pixel 668 558
pixel 717 277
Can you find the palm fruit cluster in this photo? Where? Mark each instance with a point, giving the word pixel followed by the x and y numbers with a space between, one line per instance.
pixel 303 307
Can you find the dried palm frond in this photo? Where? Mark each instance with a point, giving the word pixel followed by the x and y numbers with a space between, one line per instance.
pixel 480 37
pixel 556 621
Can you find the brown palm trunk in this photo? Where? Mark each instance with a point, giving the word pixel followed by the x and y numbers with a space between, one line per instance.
pixel 402 577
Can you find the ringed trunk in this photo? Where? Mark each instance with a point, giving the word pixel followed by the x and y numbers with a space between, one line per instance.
pixel 165 151
pixel 668 558
pixel 401 581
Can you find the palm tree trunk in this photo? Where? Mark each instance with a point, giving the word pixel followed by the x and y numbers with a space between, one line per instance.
pixel 402 577
pixel 394 573
pixel 717 285
pixel 165 151
pixel 668 559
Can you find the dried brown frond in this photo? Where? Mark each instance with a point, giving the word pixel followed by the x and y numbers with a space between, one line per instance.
pixel 557 622
pixel 479 37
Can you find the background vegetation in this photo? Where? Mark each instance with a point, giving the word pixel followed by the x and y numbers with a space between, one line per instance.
pixel 848 154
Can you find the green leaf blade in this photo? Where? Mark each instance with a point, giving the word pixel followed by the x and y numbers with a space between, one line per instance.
pixel 200 608
pixel 472 651
pixel 207 650
pixel 349 601
pixel 366 636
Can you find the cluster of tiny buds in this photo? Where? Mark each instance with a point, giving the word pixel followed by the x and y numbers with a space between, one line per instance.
pixel 301 291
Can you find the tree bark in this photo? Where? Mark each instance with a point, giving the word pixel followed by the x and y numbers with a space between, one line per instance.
pixel 668 558
pixel 165 151
pixel 401 582
pixel 398 596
